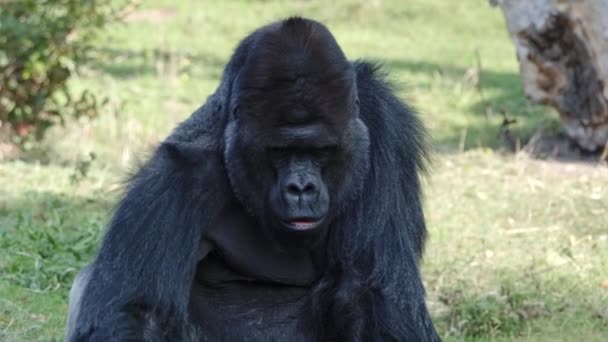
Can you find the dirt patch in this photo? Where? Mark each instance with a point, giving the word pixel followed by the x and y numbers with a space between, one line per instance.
pixel 153 15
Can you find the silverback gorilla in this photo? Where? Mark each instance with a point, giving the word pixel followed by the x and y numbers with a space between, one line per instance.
pixel 286 208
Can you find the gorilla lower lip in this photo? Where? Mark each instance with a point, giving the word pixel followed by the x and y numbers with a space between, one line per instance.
pixel 304 224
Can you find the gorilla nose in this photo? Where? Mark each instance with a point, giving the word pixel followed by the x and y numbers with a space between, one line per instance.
pixel 299 188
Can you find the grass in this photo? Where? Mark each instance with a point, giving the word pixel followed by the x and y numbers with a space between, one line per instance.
pixel 518 247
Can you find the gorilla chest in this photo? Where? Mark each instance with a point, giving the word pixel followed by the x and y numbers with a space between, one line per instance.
pixel 230 307
pixel 245 289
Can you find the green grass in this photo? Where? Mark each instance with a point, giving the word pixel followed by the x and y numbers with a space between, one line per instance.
pixel 518 247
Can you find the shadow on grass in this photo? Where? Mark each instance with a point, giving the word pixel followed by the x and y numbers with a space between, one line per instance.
pixel 510 96
pixel 498 93
pixel 124 63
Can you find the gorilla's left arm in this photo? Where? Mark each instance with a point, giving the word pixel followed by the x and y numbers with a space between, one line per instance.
pixel 374 290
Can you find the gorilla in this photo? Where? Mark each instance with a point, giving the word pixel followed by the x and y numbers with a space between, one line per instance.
pixel 286 208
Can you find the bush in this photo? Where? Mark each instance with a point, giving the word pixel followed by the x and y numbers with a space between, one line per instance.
pixel 41 43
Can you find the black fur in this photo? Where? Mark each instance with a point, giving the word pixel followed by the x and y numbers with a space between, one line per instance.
pixel 366 283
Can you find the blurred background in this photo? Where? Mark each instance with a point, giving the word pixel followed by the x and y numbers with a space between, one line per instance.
pixel 517 213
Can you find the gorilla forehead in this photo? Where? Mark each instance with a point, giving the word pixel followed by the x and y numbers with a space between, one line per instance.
pixel 296 111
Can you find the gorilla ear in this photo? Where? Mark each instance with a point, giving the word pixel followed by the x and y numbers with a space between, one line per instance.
pixel 234 113
pixel 357 108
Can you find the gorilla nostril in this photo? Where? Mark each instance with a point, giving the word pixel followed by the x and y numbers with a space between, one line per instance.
pixel 309 188
pixel 294 189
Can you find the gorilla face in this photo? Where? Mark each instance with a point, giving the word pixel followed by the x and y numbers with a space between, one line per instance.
pixel 295 178
pixel 296 151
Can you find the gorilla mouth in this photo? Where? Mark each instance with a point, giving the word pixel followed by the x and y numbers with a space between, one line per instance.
pixel 304 223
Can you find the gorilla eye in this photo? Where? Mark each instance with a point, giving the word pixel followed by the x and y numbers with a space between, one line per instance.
pixel 276 149
pixel 328 149
pixel 324 153
pixel 235 111
pixel 277 152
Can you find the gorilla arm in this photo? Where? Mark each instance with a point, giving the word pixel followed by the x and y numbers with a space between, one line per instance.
pixel 373 290
pixel 144 270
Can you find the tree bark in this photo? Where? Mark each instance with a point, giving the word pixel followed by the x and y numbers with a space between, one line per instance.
pixel 562 47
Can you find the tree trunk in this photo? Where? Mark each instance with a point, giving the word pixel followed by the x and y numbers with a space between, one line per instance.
pixel 562 47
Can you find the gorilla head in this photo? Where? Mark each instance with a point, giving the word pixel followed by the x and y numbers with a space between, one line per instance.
pixel 295 138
